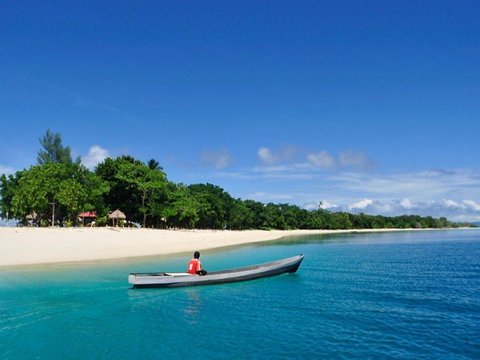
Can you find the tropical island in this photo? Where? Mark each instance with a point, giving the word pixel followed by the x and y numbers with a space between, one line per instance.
pixel 60 191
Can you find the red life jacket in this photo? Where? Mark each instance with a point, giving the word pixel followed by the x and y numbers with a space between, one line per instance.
pixel 193 266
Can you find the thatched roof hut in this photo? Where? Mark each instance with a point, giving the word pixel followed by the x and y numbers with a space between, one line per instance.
pixel 116 215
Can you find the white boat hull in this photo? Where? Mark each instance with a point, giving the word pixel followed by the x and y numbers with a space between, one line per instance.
pixel 163 279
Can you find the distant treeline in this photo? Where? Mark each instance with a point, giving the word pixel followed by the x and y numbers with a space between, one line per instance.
pixel 59 189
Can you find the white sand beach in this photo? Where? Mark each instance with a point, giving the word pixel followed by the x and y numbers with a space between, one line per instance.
pixel 28 246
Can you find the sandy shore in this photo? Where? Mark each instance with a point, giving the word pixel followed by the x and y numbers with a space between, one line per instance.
pixel 26 246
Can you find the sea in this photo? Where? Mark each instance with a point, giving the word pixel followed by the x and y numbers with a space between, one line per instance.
pixel 392 295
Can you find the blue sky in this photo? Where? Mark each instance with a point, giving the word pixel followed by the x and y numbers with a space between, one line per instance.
pixel 365 106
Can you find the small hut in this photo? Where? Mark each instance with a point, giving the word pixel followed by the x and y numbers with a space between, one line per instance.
pixel 115 216
pixel 88 218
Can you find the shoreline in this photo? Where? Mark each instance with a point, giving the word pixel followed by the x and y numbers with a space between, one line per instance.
pixel 38 246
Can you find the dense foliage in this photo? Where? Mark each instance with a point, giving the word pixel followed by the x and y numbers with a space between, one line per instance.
pixel 57 190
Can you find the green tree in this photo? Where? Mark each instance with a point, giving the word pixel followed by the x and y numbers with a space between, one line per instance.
pixel 319 219
pixel 214 205
pixel 53 150
pixel 241 216
pixel 274 217
pixel 182 208
pixel 122 194
pixel 56 192
pixel 294 216
pixel 259 214
pixel 8 188
pixel 146 181
pixel 340 220
pixel 36 192
pixel 135 188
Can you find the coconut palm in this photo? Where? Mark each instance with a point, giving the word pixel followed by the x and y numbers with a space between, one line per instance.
pixel 154 165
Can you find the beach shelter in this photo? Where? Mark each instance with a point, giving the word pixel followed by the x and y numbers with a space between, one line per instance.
pixel 90 216
pixel 116 215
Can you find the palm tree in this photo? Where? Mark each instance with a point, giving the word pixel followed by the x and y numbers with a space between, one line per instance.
pixel 154 165
pixel 53 149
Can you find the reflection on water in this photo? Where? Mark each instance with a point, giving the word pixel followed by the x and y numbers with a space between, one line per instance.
pixel 194 305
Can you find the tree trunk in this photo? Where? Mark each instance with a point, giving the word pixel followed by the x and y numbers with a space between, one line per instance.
pixel 143 207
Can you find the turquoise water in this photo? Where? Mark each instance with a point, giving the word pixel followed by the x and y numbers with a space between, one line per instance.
pixel 406 295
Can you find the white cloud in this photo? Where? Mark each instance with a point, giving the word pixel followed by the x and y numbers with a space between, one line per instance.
pixel 96 154
pixel 466 210
pixel 356 160
pixel 272 169
pixel 472 205
pixel 323 204
pixel 265 155
pixel 322 160
pixel 326 205
pixel 426 185
pixel 451 204
pixel 286 154
pixel 279 172
pixel 406 203
pixel 6 170
pixel 311 206
pixel 361 205
pixel 218 159
pixel 293 157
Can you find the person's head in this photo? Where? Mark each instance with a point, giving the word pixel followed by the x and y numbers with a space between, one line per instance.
pixel 196 254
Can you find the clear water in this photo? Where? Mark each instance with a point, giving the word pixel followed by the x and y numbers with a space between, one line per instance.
pixel 407 295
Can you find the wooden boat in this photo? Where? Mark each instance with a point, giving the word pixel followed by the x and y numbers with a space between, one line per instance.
pixel 165 279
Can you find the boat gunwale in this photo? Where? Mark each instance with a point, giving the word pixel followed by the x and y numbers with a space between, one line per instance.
pixel 226 271
pixel 268 269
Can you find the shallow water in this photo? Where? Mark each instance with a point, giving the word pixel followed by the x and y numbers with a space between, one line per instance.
pixel 383 295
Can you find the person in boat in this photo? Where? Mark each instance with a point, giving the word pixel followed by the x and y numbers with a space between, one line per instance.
pixel 195 266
